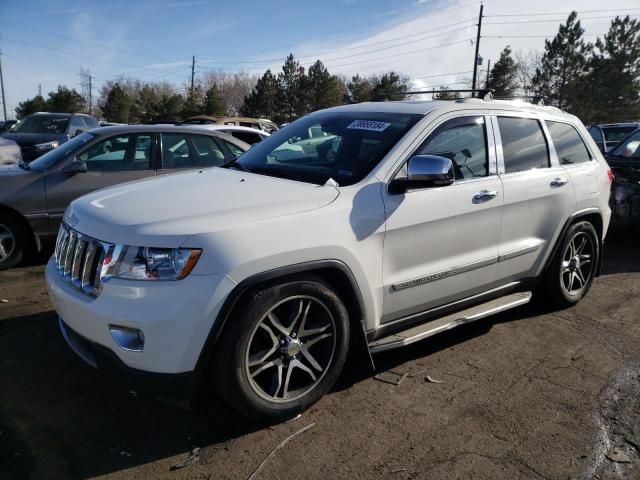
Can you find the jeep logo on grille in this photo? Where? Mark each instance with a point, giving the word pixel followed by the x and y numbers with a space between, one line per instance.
pixel 72 220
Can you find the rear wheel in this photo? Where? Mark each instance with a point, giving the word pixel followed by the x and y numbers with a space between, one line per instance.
pixel 12 242
pixel 283 350
pixel 573 268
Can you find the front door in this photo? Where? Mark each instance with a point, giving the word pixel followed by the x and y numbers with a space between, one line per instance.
pixel 114 160
pixel 441 244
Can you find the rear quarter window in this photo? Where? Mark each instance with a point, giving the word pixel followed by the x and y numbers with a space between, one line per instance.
pixel 568 143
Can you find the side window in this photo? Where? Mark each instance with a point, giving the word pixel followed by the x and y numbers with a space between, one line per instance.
pixel 119 153
pixel 464 141
pixel 630 149
pixel 181 150
pixel 568 144
pixel 247 137
pixel 523 144
pixel 235 150
pixel 596 134
pixel 90 123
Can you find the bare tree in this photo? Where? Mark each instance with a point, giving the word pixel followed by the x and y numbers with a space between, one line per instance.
pixel 526 65
pixel 233 87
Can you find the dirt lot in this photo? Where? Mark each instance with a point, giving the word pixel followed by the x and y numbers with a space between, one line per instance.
pixel 526 394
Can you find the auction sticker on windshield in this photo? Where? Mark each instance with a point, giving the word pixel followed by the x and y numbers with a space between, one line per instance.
pixel 369 125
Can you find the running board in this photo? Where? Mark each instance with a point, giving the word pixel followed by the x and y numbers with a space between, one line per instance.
pixel 448 322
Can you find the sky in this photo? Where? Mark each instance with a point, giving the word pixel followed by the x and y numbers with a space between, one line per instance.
pixel 46 43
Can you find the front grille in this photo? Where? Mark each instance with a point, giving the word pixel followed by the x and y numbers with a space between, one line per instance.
pixel 80 260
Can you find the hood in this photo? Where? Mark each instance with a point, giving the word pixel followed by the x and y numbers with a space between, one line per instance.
pixel 30 139
pixel 165 211
pixel 14 170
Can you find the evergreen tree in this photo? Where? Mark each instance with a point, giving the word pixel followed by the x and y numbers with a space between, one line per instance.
pixel 117 107
pixel 262 102
pixel 64 100
pixel 213 102
pixel 320 88
pixel 290 98
pixel 194 103
pixel 390 82
pixel 445 94
pixel 359 89
pixel 503 75
pixel 145 108
pixel 169 108
pixel 611 91
pixel 563 64
pixel 33 105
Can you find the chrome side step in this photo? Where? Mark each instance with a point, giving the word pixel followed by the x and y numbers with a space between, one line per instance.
pixel 415 334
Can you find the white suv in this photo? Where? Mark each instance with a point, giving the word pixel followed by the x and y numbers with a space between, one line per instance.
pixel 409 219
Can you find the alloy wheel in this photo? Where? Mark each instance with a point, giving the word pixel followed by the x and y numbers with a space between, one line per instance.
pixel 577 264
pixel 290 349
pixel 7 242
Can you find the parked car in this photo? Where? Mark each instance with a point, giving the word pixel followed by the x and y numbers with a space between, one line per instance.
pixel 6 125
pixel 9 152
pixel 625 163
pixel 411 218
pixel 246 134
pixel 257 123
pixel 39 133
pixel 33 197
pixel 607 136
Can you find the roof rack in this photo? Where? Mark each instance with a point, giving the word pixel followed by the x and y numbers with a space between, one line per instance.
pixel 534 99
pixel 483 93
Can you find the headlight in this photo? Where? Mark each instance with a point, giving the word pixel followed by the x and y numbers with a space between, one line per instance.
pixel 43 147
pixel 148 263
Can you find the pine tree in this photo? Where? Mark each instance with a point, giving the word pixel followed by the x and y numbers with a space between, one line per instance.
pixel 262 102
pixel 320 88
pixel 290 98
pixel 445 94
pixel 36 104
pixel 563 64
pixel 213 102
pixel 502 78
pixel 359 89
pixel 612 88
pixel 117 107
pixel 390 82
pixel 65 100
pixel 194 102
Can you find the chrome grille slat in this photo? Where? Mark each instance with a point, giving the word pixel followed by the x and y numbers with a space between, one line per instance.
pixel 79 260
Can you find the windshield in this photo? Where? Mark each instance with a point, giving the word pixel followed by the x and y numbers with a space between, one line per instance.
pixel 49 159
pixel 616 134
pixel 343 146
pixel 41 124
pixel 629 149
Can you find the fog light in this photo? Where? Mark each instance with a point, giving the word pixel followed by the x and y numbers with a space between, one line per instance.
pixel 127 338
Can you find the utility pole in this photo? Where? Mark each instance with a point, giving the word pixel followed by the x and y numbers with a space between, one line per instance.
pixel 39 89
pixel 86 84
pixel 475 58
pixel 486 82
pixel 4 103
pixel 193 73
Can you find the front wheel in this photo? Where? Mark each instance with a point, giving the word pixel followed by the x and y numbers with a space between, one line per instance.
pixel 12 242
pixel 573 268
pixel 283 350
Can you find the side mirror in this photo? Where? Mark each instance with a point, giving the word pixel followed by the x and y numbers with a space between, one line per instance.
pixel 78 132
pixel 425 171
pixel 75 166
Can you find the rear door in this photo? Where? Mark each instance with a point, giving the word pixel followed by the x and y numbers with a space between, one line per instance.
pixel 188 151
pixel 538 195
pixel 113 160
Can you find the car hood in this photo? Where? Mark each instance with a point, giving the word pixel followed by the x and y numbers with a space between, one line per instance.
pixel 30 139
pixel 165 211
pixel 14 170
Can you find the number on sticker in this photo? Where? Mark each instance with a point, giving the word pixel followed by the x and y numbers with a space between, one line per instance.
pixel 370 125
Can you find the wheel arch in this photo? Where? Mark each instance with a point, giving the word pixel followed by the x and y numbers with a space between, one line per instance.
pixel 16 215
pixel 335 272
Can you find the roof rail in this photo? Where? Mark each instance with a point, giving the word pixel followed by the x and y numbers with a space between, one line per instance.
pixel 534 99
pixel 483 93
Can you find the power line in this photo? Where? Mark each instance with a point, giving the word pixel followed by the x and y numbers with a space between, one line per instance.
pixel 551 20
pixel 559 13
pixel 443 75
pixel 538 36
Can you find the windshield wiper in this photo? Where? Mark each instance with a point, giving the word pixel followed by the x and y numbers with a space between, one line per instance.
pixel 24 166
pixel 235 164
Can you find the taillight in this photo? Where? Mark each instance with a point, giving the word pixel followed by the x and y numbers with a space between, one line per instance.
pixel 612 177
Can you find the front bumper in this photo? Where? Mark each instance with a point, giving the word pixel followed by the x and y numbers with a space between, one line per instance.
pixel 175 317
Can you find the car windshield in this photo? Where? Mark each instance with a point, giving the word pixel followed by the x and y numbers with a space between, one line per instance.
pixel 42 124
pixel 49 159
pixel 343 146
pixel 616 134
pixel 629 149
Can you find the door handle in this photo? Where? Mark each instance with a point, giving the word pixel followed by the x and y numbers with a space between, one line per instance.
pixel 559 182
pixel 485 195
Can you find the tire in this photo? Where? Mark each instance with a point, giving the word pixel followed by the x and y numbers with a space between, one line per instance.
pixel 572 270
pixel 256 337
pixel 13 241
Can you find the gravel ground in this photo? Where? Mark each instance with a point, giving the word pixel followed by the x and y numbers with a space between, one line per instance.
pixel 526 394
